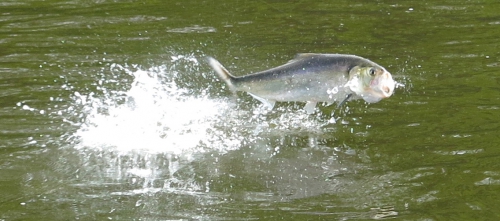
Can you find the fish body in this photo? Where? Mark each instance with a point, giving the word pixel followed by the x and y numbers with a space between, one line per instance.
pixel 313 78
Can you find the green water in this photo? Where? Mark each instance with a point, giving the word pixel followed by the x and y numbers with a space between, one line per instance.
pixel 108 112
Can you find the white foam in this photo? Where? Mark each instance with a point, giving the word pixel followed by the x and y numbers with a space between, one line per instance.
pixel 154 115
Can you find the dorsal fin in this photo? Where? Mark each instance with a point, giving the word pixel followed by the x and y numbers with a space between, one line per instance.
pixel 301 56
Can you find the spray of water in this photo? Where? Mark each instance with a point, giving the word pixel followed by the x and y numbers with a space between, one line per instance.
pixel 155 116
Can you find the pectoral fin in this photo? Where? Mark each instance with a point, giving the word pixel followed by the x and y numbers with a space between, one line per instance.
pixel 268 103
pixel 310 105
pixel 345 100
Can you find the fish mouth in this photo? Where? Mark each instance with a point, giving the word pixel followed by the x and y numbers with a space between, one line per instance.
pixel 384 85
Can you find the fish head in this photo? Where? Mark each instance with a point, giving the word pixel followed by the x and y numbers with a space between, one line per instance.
pixel 371 83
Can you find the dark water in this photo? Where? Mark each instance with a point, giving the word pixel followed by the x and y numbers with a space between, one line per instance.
pixel 108 112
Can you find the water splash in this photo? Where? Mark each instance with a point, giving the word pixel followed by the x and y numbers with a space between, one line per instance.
pixel 400 85
pixel 154 115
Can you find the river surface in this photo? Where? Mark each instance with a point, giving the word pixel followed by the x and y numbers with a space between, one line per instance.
pixel 108 111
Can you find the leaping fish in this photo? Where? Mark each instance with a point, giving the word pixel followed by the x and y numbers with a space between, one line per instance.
pixel 313 78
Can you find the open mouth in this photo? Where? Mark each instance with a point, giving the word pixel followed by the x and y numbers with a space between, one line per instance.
pixel 387 87
pixel 384 84
pixel 386 91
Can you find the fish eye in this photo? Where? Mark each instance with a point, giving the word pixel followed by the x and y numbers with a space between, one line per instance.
pixel 372 71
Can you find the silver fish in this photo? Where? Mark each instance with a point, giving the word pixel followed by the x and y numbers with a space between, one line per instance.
pixel 314 78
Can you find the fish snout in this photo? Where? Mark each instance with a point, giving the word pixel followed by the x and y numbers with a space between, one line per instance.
pixel 386 84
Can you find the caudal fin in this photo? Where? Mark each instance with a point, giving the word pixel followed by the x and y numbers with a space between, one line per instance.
pixel 222 72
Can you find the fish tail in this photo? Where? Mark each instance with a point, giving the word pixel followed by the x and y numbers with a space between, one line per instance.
pixel 222 72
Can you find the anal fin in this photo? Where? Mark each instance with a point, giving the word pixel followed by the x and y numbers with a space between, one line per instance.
pixel 268 103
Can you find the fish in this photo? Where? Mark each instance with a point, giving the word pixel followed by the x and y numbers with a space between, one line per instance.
pixel 313 78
